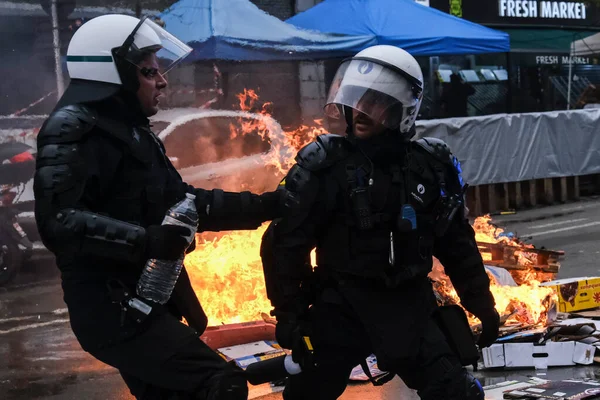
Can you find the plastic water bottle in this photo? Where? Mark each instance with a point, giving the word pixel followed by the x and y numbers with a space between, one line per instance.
pixel 159 276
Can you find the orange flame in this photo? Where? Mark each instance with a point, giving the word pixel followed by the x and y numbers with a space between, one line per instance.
pixel 528 303
pixel 226 272
pixel 226 269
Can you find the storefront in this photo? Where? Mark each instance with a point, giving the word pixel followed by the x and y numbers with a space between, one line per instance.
pixel 541 33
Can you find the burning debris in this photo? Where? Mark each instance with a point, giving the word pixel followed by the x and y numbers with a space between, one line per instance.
pixel 521 307
pixel 516 270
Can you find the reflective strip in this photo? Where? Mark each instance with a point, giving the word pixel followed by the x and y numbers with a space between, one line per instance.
pixel 89 58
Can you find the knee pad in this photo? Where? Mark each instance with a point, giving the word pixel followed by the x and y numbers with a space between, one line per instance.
pixel 230 385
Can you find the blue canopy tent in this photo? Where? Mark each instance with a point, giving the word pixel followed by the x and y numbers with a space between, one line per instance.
pixel 238 30
pixel 420 30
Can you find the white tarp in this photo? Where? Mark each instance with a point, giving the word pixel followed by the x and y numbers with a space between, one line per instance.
pixel 516 147
pixel 586 46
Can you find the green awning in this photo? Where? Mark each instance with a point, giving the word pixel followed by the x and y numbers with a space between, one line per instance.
pixel 544 40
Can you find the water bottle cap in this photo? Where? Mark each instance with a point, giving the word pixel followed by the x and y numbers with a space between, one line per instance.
pixel 190 196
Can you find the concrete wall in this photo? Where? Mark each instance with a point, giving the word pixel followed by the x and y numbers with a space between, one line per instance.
pixel 182 81
pixel 312 90
pixel 303 5
pixel 282 9
pixel 312 79
pixel 275 82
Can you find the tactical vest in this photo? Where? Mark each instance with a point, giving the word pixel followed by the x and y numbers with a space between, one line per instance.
pixel 385 217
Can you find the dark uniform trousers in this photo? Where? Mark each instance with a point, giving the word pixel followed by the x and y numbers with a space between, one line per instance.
pixel 344 333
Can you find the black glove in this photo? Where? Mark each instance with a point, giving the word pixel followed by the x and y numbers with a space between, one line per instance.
pixel 287 329
pixel 490 327
pixel 166 242
pixel 289 333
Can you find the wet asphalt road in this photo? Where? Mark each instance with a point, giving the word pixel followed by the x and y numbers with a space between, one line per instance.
pixel 40 359
pixel 574 228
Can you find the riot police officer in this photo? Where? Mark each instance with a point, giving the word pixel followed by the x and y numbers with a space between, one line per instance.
pixel 103 184
pixel 377 206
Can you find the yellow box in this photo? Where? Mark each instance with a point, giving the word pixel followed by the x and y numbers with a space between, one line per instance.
pixel 576 294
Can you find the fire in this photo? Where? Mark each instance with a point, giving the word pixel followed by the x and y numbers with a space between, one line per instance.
pixel 487 232
pixel 527 303
pixel 283 147
pixel 530 303
pixel 226 270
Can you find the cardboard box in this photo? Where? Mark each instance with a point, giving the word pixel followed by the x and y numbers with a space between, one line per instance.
pixel 551 354
pixel 246 354
pixel 496 391
pixel 576 294
pixel 557 390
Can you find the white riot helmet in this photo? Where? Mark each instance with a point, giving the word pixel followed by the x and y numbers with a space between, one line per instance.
pixel 383 82
pixel 102 49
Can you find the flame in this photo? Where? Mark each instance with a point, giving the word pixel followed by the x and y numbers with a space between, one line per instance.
pixel 283 147
pixel 526 304
pixel 487 232
pixel 226 270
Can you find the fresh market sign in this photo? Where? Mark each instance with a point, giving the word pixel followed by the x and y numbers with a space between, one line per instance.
pixel 556 60
pixel 541 9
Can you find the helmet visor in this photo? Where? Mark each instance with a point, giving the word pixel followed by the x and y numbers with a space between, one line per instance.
pixel 147 37
pixel 372 89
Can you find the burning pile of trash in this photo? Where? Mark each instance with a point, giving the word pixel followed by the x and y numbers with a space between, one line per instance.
pixel 516 270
